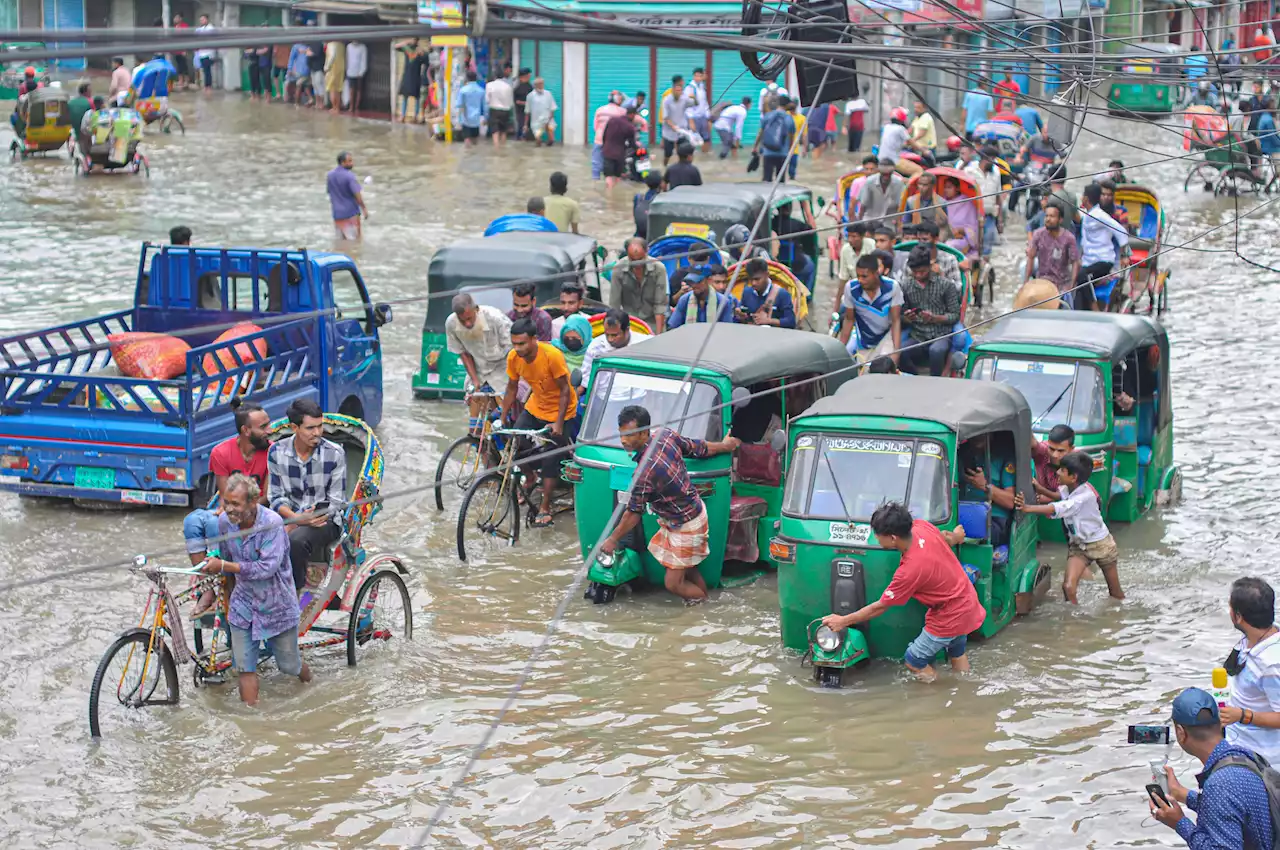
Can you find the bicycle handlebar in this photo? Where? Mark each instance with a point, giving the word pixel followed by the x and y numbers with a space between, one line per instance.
pixel 522 432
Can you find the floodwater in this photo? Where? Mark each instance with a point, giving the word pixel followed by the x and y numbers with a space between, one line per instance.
pixel 647 724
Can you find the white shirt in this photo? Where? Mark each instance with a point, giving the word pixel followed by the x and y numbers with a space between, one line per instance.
pixel 731 120
pixel 696 94
pixel 893 138
pixel 599 347
pixel 1082 515
pixel 357 60
pixel 765 92
pixel 202 54
pixel 1257 688
pixel 499 94
pixel 856 105
pixel 1099 233
pixel 487 345
pixel 988 186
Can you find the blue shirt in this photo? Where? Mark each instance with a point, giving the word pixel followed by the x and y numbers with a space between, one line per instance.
pixel 679 313
pixel 1196 64
pixel 1266 132
pixel 783 308
pixel 471 103
pixel 977 105
pixel 1031 120
pixel 1230 806
pixel 343 187
pixel 298 65
pixel 871 315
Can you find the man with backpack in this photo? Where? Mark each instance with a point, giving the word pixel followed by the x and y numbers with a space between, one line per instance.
pixel 777 132
pixel 1236 802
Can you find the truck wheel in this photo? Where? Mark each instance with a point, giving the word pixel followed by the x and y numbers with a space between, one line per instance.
pixel 353 408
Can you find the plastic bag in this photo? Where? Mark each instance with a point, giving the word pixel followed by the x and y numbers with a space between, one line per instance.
pixel 150 356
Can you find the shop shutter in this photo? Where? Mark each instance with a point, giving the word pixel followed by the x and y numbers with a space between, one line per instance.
pixel 614 66
pixel 528 53
pixel 731 81
pixel 65 15
pixel 551 69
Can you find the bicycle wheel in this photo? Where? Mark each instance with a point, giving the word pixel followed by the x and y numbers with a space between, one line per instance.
pixel 1203 174
pixel 490 514
pixel 132 678
pixel 169 122
pixel 458 468
pixel 382 612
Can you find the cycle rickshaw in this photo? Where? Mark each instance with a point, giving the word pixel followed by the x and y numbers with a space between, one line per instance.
pixel 351 599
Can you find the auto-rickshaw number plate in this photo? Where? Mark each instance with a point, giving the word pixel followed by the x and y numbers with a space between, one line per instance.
pixel 843 532
pixel 95 478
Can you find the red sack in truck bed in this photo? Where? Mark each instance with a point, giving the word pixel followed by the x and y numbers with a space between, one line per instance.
pixel 247 351
pixel 150 356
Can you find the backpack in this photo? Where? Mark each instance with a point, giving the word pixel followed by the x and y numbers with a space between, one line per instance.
pixel 1259 767
pixel 775 135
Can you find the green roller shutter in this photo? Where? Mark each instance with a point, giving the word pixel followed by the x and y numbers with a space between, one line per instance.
pixel 551 69
pixel 254 16
pixel 672 61
pixel 614 66
pixel 731 81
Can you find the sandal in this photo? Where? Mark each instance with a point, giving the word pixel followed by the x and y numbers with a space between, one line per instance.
pixel 543 520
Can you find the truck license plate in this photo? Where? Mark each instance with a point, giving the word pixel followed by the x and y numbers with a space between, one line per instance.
pixel 95 478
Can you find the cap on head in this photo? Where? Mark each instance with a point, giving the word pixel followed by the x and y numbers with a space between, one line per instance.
pixel 1188 705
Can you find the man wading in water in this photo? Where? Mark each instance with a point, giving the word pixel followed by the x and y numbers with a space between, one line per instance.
pixel 662 484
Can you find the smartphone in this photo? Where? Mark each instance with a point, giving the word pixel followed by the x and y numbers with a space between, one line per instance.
pixel 1155 792
pixel 324 506
pixel 1148 734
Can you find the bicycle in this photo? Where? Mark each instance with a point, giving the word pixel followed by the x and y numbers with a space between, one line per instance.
pixel 493 500
pixel 471 453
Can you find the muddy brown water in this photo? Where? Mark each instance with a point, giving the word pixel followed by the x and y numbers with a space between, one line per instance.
pixel 647 724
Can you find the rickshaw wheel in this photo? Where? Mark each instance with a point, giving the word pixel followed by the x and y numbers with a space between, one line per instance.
pixel 457 467
pixel 490 507
pixel 121 671
pixel 14 151
pixel 382 611
pixel 1203 173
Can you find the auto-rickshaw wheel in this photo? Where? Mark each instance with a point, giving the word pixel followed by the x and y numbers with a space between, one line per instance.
pixel 14 151
pixel 601 594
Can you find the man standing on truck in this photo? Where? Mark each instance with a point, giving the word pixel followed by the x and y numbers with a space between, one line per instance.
pixel 307 485
pixel 345 198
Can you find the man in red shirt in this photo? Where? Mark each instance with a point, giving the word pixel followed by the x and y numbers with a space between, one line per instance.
pixel 930 573
pixel 245 452
pixel 1007 91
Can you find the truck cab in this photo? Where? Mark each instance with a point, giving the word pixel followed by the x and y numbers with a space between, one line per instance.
pixel 269 326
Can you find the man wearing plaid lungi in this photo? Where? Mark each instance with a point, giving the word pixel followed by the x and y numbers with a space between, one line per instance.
pixel 662 484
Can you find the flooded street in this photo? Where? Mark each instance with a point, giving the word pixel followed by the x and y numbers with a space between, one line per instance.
pixel 647 724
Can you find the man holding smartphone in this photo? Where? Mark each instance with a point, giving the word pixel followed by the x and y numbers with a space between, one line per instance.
pixel 1232 805
pixel 307 486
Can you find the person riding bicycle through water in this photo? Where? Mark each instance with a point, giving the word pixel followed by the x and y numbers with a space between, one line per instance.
pixel 552 402
pixel 480 336
pixel 1204 94
pixel 263 605
pixel 307 486
pixel 1040 152
pixel 245 453
pixel 661 485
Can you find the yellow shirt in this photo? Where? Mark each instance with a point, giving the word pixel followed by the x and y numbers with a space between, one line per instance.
pixel 541 375
pixel 925 122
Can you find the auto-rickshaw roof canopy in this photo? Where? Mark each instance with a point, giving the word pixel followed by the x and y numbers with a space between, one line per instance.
pixel 745 354
pixel 968 408
pixel 505 257
pixel 737 202
pixel 1109 335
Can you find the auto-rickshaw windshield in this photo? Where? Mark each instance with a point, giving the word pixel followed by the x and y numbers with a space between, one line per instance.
pixel 1058 392
pixel 692 409
pixel 847 477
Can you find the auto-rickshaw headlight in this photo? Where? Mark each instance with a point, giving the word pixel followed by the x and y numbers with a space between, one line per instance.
pixel 605 559
pixel 828 639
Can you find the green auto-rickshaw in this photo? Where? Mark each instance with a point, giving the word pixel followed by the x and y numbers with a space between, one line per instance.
pixel 707 211
pixel 485 268
pixel 1072 367
pixel 908 439
pixel 1147 79
pixel 743 492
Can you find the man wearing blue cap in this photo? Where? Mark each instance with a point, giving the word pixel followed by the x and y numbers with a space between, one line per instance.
pixel 702 303
pixel 1232 808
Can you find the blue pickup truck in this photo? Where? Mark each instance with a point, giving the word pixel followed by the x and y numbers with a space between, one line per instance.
pixel 71 426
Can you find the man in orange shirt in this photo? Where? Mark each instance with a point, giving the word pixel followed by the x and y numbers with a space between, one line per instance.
pixel 552 401
pixel 1007 92
pixel 1262 44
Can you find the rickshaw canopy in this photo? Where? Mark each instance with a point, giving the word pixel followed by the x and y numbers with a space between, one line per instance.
pixel 521 223
pixel 1206 127
pixel 745 354
pixel 968 185
pixel 1110 336
pixel 549 259
pixel 707 211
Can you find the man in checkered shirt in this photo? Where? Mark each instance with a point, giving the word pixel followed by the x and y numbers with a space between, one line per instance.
pixel 307 485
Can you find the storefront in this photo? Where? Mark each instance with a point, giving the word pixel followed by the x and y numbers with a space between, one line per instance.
pixel 582 75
